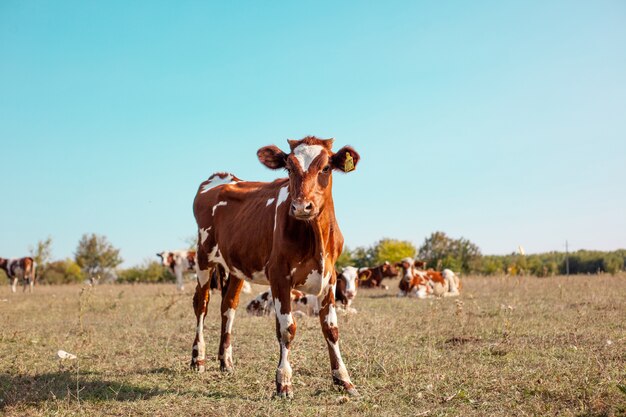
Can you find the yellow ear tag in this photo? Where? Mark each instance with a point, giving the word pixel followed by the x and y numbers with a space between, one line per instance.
pixel 349 164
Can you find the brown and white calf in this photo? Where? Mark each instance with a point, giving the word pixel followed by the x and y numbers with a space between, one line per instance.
pixel 179 261
pixel 423 283
pixel 376 276
pixel 21 268
pixel 411 284
pixel 346 287
pixel 283 234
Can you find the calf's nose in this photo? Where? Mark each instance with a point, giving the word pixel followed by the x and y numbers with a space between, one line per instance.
pixel 302 207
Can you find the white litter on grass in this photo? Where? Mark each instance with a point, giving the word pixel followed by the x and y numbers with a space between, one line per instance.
pixel 609 342
pixel 64 355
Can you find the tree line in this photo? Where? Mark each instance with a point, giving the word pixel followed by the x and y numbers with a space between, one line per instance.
pixel 440 251
pixel 97 259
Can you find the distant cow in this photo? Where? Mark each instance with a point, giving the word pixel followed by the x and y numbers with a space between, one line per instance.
pixel 182 261
pixel 179 261
pixel 345 291
pixel 21 268
pixel 376 276
pixel 263 304
pixel 412 283
pixel 283 234
pixel 346 288
pixel 423 283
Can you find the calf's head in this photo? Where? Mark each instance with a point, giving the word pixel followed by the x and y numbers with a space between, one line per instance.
pixel 406 265
pixel 167 258
pixel 389 270
pixel 310 164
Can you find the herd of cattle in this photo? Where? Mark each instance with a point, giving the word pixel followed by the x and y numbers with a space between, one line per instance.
pixel 283 234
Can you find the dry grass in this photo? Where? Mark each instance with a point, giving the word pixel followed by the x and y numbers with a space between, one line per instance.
pixel 508 346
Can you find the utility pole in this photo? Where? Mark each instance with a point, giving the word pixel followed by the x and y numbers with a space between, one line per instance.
pixel 566 259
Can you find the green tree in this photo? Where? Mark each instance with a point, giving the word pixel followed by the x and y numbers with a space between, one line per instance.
pixel 441 251
pixel 42 252
pixel 362 256
pixel 96 255
pixel 345 259
pixel 392 250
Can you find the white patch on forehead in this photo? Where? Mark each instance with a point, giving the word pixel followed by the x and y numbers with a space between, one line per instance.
pixel 351 274
pixel 306 154
pixel 204 234
pixel 221 203
pixel 269 201
pixel 215 181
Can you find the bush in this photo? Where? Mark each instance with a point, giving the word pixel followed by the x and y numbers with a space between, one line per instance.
pixel 61 272
pixel 150 272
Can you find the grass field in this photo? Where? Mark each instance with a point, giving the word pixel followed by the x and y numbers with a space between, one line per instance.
pixel 507 346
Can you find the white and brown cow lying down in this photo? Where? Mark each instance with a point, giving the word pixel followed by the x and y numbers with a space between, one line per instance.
pixel 376 275
pixel 301 303
pixel 345 292
pixel 20 268
pixel 283 234
pixel 426 283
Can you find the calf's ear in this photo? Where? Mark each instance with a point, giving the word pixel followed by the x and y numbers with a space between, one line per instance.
pixel 346 159
pixel 272 157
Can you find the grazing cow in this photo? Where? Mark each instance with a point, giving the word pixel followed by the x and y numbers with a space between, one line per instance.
pixel 283 234
pixel 21 268
pixel 377 274
pixel 179 261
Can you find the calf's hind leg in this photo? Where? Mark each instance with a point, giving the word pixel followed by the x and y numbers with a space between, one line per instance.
pixel 200 302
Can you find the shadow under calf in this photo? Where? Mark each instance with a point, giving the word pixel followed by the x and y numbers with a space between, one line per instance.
pixel 33 389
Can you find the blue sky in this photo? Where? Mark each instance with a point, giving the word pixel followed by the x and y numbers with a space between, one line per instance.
pixel 502 122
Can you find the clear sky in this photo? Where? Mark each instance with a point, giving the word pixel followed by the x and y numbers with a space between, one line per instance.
pixel 502 122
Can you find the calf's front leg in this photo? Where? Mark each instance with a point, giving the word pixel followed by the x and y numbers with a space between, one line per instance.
pixel 285 333
pixel 328 320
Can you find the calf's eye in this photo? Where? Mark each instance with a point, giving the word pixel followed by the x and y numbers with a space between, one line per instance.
pixel 326 169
